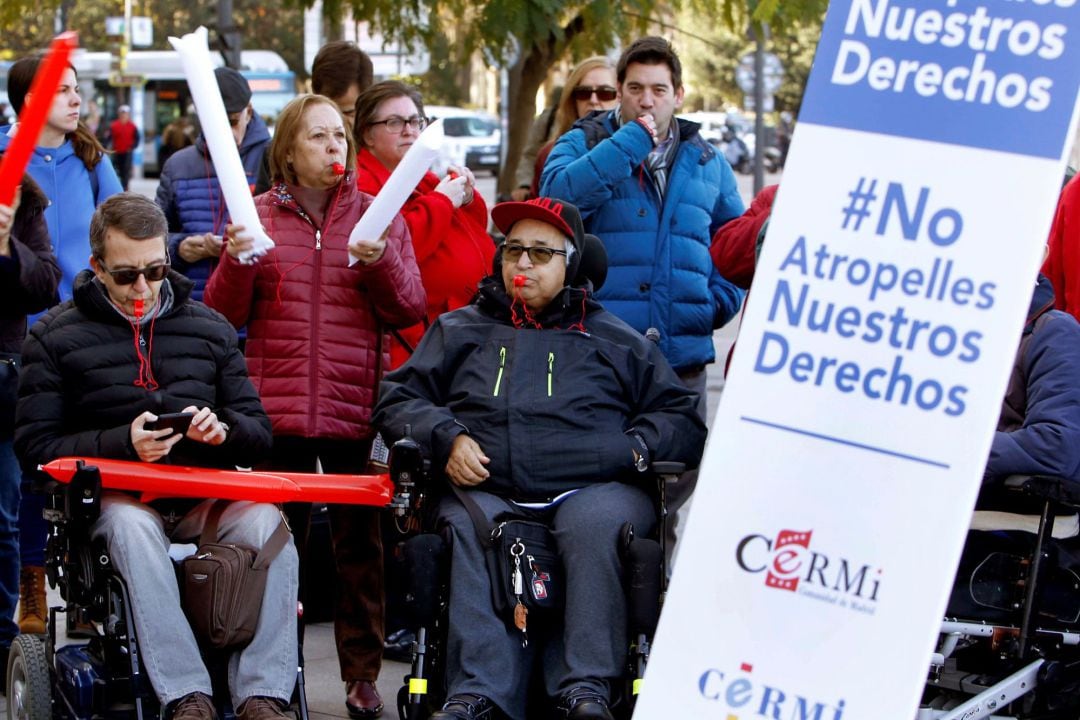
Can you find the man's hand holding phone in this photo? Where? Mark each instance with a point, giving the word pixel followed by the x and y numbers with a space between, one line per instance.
pixel 205 426
pixel 153 443
pixel 153 436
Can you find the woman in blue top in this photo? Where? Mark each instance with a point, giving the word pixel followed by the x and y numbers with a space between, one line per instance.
pixel 67 165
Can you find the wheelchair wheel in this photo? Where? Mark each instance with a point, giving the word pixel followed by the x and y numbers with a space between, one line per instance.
pixel 29 683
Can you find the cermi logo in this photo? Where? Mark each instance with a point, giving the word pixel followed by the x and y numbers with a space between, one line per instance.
pixel 746 699
pixel 790 564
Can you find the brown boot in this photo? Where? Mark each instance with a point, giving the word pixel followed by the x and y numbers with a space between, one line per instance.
pixel 33 608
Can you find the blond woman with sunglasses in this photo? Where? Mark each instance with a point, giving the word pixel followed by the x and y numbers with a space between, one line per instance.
pixel 590 87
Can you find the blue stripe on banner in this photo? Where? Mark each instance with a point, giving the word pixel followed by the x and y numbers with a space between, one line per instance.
pixel 842 441
pixel 994 75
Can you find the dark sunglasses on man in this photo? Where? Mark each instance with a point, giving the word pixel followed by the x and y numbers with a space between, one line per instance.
pixel 128 276
pixel 538 254
pixel 604 93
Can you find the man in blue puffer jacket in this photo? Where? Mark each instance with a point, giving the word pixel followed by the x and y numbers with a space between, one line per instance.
pixel 189 192
pixel 654 192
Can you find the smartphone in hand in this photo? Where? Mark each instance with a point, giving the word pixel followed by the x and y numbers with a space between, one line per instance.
pixel 177 422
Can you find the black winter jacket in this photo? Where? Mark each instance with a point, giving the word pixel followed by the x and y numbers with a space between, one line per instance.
pixel 551 407
pixel 28 278
pixel 77 392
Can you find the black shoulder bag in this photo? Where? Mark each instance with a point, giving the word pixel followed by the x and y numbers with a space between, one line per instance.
pixel 523 563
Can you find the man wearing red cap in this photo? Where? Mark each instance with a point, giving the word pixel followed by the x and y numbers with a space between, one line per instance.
pixel 536 401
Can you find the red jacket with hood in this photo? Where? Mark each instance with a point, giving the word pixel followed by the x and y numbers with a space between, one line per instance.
pixel 317 340
pixel 452 247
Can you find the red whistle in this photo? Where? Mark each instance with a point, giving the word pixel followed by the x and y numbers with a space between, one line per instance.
pixel 139 307
pixel 453 175
pixel 519 281
pixel 338 168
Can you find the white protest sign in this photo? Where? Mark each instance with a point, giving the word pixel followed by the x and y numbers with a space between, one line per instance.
pixel 848 449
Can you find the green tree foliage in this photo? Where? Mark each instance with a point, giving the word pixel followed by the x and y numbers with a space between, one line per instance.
pixel 712 54
pixel 265 24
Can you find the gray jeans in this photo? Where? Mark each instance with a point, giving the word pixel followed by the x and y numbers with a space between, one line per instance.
pixel 136 539
pixel 486 658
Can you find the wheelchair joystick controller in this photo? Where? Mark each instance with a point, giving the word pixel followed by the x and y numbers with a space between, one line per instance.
pixel 406 466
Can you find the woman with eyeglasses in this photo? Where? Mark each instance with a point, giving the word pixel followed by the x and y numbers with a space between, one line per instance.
pixel 591 86
pixel 317 347
pixel 447 218
pixel 69 166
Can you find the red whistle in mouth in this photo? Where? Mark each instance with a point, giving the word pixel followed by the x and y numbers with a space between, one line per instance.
pixel 519 281
pixel 139 303
pixel 338 168
pixel 453 175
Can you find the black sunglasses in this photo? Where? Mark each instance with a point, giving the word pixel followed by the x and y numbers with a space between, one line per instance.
pixel 538 254
pixel 128 276
pixel 604 93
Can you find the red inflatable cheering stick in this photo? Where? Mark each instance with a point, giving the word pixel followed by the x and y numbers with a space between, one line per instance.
pixel 34 114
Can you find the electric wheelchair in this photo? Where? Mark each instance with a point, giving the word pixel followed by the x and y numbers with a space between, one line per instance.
pixel 425 560
pixel 1010 647
pixel 104 677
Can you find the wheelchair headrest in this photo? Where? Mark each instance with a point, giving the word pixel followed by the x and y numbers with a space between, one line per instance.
pixel 593 265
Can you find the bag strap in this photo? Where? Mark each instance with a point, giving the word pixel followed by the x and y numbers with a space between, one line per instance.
pixel 273 545
pixel 480 522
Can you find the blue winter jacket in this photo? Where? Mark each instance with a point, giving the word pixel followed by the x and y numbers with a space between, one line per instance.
pixel 65 180
pixel 190 196
pixel 660 274
pixel 1038 432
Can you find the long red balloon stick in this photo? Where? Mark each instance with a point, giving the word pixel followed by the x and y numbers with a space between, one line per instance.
pixel 34 114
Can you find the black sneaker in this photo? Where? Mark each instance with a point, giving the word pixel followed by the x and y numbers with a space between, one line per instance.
pixel 464 707
pixel 399 646
pixel 582 703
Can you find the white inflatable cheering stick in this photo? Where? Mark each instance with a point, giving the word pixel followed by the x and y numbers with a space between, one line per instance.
pixel 199 71
pixel 399 186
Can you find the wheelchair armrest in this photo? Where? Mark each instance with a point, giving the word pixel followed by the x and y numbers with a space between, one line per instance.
pixel 1054 489
pixel 667 468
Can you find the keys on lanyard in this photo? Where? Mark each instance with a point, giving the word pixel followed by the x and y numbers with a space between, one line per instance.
pixel 521 613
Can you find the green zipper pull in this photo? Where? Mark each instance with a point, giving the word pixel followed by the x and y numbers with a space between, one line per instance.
pixel 551 367
pixel 502 364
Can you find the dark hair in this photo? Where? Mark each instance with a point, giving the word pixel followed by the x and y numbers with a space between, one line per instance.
pixel 368 102
pixel 20 77
pixel 338 65
pixel 133 214
pixel 650 50
pixel 285 131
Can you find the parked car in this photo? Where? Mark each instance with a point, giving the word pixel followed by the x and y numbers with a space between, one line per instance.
pixel 473 139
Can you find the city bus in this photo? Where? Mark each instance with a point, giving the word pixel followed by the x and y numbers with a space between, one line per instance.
pixel 163 94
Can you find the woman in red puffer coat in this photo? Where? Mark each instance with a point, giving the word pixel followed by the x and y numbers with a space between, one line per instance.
pixel 447 219
pixel 317 342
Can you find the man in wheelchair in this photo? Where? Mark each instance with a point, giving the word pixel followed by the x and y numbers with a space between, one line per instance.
pixel 1038 434
pixel 1016 591
pixel 98 370
pixel 534 401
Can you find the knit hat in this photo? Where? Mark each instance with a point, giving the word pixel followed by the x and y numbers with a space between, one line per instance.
pixel 235 91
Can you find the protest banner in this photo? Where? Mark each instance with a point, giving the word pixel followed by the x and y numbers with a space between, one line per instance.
pixel 849 445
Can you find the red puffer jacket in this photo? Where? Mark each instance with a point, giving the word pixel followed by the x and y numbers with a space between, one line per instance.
pixel 316 325
pixel 452 247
